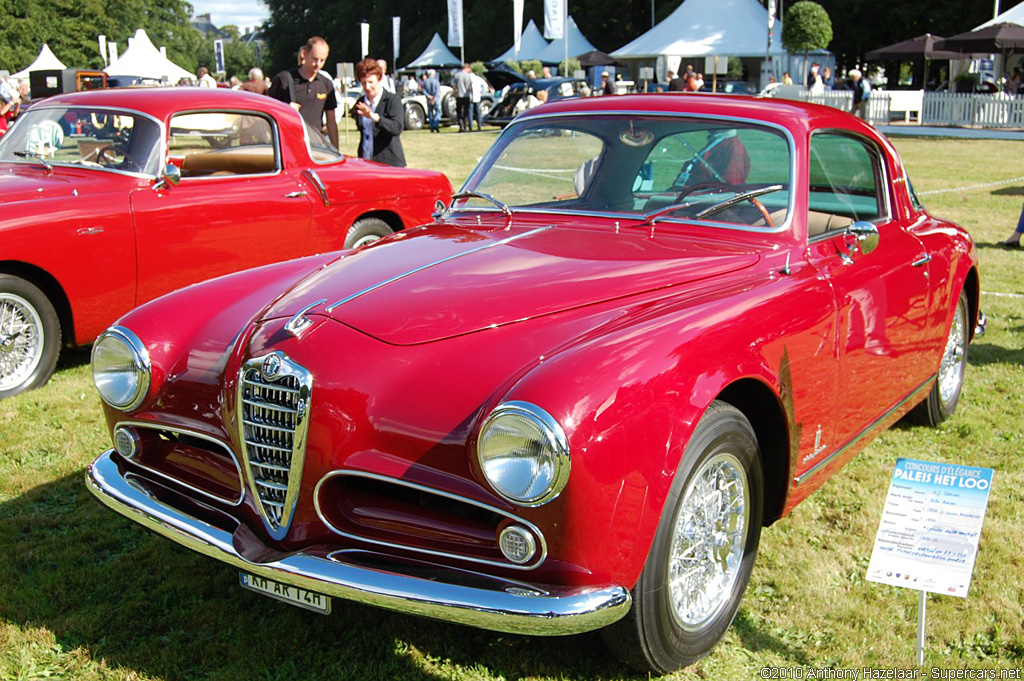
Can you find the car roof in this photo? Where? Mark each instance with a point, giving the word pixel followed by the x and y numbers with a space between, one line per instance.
pixel 161 102
pixel 797 117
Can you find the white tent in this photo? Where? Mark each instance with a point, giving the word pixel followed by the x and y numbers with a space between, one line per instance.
pixel 143 60
pixel 1014 15
pixel 436 55
pixel 46 61
pixel 531 45
pixel 554 53
pixel 697 28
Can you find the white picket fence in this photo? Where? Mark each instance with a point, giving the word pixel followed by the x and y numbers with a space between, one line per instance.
pixel 926 108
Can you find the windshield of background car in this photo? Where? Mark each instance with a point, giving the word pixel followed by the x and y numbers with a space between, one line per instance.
pixel 679 167
pixel 320 148
pixel 98 138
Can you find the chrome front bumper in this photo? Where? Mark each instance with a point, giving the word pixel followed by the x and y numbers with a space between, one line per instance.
pixel 488 604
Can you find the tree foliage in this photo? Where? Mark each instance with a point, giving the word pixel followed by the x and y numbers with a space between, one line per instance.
pixel 806 27
pixel 71 28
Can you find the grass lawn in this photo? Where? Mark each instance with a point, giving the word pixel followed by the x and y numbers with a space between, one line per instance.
pixel 86 594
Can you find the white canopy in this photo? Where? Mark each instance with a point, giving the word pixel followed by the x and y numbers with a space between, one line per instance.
pixel 697 28
pixel 437 55
pixel 554 53
pixel 531 45
pixel 46 61
pixel 143 60
pixel 1014 15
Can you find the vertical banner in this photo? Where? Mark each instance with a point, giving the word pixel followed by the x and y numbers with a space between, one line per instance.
pixel 455 23
pixel 771 21
pixel 396 31
pixel 517 26
pixel 364 37
pixel 218 56
pixel 554 19
pixel 103 49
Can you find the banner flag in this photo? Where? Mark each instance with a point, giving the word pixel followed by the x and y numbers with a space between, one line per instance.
pixel 396 28
pixel 771 16
pixel 364 33
pixel 218 56
pixel 103 49
pixel 517 25
pixel 455 23
pixel 554 19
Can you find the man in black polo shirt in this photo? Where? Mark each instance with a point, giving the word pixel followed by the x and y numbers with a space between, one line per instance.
pixel 309 90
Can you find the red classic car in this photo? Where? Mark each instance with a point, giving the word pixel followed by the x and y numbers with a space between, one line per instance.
pixel 112 198
pixel 647 327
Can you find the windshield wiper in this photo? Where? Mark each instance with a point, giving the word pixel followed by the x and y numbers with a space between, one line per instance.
pixel 36 155
pixel 739 198
pixel 485 197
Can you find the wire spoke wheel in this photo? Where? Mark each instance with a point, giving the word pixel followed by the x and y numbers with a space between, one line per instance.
pixel 21 341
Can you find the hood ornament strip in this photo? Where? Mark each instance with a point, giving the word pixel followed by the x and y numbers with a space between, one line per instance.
pixel 330 308
pixel 300 322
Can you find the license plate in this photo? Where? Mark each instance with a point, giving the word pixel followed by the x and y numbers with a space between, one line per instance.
pixel 309 600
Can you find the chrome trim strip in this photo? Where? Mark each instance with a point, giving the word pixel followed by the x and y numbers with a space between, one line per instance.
pixel 300 322
pixel 430 490
pixel 330 308
pixel 818 467
pixel 314 179
pixel 569 610
pixel 200 436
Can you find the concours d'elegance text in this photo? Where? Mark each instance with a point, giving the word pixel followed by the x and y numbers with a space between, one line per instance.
pixel 886 673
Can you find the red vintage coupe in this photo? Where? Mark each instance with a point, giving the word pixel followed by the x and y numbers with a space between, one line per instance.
pixel 112 198
pixel 647 327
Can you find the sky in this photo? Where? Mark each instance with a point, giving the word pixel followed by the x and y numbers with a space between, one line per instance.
pixel 241 13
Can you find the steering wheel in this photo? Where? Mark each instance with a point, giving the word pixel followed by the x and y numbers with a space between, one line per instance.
pixel 105 156
pixel 731 188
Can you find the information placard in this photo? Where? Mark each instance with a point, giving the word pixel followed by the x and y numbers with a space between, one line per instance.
pixel 928 535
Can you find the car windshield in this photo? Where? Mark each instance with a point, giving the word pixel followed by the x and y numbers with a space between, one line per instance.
pixel 671 166
pixel 84 136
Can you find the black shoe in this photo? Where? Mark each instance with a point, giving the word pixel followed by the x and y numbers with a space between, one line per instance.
pixel 1009 244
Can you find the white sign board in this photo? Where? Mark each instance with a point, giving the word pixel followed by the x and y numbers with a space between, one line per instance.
pixel 928 535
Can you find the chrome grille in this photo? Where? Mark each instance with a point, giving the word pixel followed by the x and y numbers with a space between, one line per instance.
pixel 274 397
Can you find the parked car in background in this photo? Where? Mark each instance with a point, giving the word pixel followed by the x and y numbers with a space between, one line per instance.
pixel 518 89
pixel 729 87
pixel 113 197
pixel 416 106
pixel 645 328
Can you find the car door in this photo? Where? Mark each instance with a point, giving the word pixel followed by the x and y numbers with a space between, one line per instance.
pixel 235 206
pixel 880 283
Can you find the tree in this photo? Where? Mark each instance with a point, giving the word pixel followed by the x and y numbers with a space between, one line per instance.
pixel 806 27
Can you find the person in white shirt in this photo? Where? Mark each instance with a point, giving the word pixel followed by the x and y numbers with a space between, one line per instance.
pixel 386 81
pixel 205 79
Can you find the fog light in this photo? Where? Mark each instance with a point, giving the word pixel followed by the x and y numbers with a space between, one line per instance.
pixel 126 442
pixel 517 544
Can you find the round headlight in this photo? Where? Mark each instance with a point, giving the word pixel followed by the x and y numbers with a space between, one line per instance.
pixel 120 368
pixel 524 453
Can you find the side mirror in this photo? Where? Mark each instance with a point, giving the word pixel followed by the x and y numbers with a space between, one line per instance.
pixel 171 176
pixel 439 210
pixel 866 235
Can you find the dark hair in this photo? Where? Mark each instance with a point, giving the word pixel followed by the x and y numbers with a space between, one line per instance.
pixel 368 67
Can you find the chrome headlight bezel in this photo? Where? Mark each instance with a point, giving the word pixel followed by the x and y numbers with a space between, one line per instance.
pixel 133 366
pixel 554 458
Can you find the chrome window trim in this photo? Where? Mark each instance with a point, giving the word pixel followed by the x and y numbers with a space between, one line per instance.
pixel 115 110
pixel 276 143
pixel 639 217
pixel 872 149
pixel 288 367
pixel 155 425
pixel 539 560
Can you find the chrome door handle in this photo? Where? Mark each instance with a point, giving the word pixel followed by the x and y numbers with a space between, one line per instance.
pixel 295 195
pixel 923 260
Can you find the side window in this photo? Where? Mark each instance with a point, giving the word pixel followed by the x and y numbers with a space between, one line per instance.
pixel 846 183
pixel 214 143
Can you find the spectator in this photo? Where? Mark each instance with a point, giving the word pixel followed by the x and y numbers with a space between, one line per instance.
pixel 545 72
pixel 380 116
pixel 386 81
pixel 786 78
pixel 1013 82
pixel 480 88
pixel 235 83
pixel 205 79
pixel 861 93
pixel 308 90
pixel 827 80
pixel 462 83
pixel 432 91
pixel 696 83
pixel 1013 241
pixel 676 83
pixel 606 84
pixel 256 82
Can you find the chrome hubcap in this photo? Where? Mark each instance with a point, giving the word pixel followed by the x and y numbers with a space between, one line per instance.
pixel 708 542
pixel 21 340
pixel 951 370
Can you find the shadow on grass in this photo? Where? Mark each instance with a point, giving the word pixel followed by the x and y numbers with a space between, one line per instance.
pixel 144 605
pixel 984 354
pixel 74 357
pixel 1009 191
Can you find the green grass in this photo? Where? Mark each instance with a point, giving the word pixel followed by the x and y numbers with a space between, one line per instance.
pixel 86 594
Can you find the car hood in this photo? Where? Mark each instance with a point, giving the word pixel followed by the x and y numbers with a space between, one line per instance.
pixel 446 280
pixel 21 185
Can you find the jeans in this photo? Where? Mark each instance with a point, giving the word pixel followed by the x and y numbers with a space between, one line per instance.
pixel 475 115
pixel 434 113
